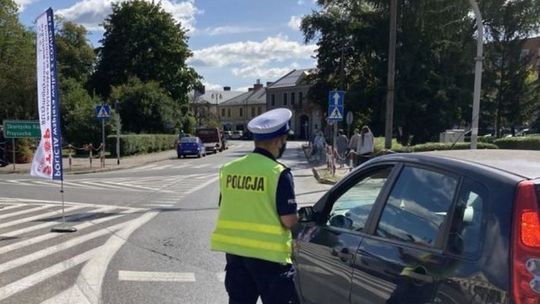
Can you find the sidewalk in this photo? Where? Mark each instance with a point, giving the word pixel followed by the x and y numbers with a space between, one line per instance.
pixel 321 172
pixel 82 165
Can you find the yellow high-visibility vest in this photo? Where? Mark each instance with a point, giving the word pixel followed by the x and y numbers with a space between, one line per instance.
pixel 248 223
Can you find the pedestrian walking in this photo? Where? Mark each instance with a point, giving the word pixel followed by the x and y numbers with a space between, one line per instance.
pixel 353 145
pixel 257 210
pixel 365 145
pixel 342 145
pixel 320 147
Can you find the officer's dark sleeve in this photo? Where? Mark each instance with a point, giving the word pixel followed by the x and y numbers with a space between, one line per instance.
pixel 285 198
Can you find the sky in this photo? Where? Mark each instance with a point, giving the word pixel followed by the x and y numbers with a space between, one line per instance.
pixel 234 42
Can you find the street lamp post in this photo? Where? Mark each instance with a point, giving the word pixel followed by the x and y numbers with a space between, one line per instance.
pixel 477 74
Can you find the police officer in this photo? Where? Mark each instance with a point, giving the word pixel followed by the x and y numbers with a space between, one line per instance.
pixel 257 210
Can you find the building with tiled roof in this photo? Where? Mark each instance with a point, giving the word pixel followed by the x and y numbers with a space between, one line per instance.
pixel 291 91
pixel 205 106
pixel 236 112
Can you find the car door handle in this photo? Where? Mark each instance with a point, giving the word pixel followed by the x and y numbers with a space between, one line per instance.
pixel 343 253
pixel 418 274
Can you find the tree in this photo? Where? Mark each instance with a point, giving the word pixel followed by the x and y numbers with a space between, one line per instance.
pixel 76 58
pixel 18 95
pixel 433 68
pixel 79 122
pixel 146 107
pixel 508 89
pixel 142 40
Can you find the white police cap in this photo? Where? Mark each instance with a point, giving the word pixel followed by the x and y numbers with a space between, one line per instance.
pixel 270 124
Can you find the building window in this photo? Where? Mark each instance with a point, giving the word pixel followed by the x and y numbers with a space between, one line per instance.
pixel 241 112
pixel 300 97
pixel 259 110
pixel 228 112
pixel 273 99
pixel 253 112
pixel 284 99
pixel 223 112
pixel 292 98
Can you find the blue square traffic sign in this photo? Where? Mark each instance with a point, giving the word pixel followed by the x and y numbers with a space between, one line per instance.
pixel 335 105
pixel 103 112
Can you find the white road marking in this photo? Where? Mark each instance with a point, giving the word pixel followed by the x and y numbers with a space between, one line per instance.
pixel 212 180
pixel 90 279
pixel 43 237
pixel 160 205
pixel 11 206
pixel 201 166
pixel 56 248
pixel 44 274
pixel 150 276
pixel 29 210
pixel 39 216
pixel 221 276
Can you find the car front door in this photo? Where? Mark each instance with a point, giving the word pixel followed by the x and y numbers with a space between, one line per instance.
pixel 324 252
pixel 400 260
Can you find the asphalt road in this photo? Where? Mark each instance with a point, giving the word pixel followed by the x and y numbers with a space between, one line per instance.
pixel 143 233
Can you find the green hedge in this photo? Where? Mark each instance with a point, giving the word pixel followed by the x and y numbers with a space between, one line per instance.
pixel 131 144
pixel 519 143
pixel 445 146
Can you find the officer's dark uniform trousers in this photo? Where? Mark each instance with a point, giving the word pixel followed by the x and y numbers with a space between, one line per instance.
pixel 246 275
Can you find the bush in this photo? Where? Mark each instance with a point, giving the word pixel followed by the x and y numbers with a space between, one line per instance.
pixel 519 143
pixel 445 146
pixel 131 144
pixel 379 144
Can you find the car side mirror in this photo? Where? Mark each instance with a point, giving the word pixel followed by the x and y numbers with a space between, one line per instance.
pixel 307 214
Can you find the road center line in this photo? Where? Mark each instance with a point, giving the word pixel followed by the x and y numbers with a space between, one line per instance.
pixel 153 276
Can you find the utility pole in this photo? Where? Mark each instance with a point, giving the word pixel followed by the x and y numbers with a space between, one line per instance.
pixel 117 109
pixel 477 73
pixel 391 76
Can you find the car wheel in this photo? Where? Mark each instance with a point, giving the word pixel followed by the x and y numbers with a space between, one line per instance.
pixel 179 156
pixel 199 155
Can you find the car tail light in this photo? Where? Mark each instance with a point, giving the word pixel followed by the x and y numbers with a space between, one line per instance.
pixel 526 245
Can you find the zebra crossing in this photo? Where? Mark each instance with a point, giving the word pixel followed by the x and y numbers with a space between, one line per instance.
pixel 31 256
pixel 130 184
pixel 182 165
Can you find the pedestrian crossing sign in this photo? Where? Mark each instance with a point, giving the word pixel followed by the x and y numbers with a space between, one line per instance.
pixel 335 105
pixel 103 112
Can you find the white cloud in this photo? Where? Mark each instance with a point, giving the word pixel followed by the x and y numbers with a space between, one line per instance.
pixel 92 13
pixel 262 72
pixel 225 30
pixel 23 3
pixel 294 22
pixel 212 86
pixel 251 53
pixel 300 2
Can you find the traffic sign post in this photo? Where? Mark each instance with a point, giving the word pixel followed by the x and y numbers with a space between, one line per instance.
pixel 335 114
pixel 103 112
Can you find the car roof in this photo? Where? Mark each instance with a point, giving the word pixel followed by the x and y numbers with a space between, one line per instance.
pixel 523 163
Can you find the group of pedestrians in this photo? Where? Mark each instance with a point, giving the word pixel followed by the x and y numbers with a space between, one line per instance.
pixel 354 151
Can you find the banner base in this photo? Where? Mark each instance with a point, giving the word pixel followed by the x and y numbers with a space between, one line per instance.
pixel 63 228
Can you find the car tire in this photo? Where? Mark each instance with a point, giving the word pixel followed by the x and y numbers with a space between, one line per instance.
pixel 199 155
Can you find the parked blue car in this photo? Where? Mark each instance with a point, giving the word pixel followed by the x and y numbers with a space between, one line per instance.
pixel 190 146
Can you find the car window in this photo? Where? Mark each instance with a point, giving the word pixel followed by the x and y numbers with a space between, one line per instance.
pixel 188 140
pixel 417 206
pixel 466 229
pixel 352 208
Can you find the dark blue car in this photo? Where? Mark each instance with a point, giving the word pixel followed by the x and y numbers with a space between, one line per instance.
pixel 190 146
pixel 438 227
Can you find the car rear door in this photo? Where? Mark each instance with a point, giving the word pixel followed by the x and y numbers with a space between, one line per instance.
pixel 401 258
pixel 324 253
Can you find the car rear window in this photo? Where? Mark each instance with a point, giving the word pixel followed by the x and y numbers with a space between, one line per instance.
pixel 188 140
